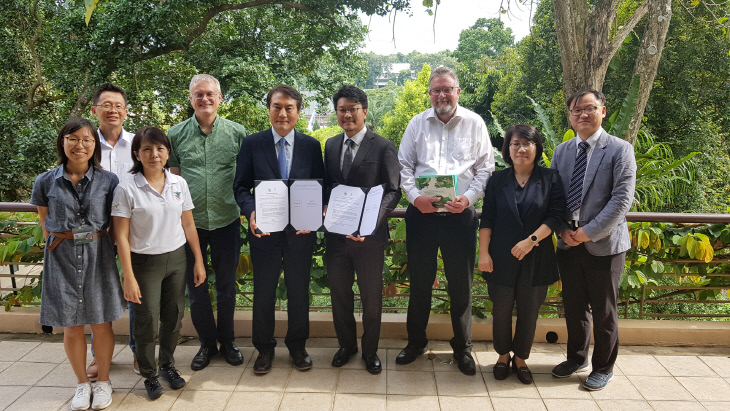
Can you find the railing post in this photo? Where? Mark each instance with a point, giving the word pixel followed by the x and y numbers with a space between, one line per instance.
pixel 641 304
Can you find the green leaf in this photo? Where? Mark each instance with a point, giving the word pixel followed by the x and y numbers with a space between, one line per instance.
pixel 657 266
pixel 618 123
pixel 551 139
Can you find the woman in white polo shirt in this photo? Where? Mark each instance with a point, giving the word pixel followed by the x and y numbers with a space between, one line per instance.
pixel 152 222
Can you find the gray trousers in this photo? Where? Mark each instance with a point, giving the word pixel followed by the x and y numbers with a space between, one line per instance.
pixel 529 299
pixel 161 280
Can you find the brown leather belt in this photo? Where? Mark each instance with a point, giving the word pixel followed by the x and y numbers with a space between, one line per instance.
pixel 67 235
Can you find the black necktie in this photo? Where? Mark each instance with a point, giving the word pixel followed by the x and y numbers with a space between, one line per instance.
pixel 347 161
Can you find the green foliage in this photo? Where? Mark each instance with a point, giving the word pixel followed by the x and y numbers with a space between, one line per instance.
pixel 410 100
pixel 380 102
pixel 487 37
pixel 323 134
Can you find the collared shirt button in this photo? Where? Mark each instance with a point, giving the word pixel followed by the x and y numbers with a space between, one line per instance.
pixel 79 256
pixel 81 301
pixel 79 270
pixel 80 286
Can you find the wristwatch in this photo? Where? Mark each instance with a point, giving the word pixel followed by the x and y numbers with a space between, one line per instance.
pixel 533 238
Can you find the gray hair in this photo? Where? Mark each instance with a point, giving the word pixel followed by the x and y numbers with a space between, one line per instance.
pixel 444 71
pixel 204 78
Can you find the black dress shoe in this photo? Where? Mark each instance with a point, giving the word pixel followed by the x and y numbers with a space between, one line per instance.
pixel 409 354
pixel 301 360
pixel 501 370
pixel 372 363
pixel 202 358
pixel 232 354
pixel 263 362
pixel 523 373
pixel 465 363
pixel 342 356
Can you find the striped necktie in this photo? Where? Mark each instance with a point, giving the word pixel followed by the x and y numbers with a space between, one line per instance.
pixel 575 192
pixel 347 160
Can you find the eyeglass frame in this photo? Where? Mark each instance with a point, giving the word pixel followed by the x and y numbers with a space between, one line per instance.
pixel 526 146
pixel 75 141
pixel 580 111
pixel 109 106
pixel 351 111
pixel 438 91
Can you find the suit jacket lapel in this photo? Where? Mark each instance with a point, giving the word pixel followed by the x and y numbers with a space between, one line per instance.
pixel 596 158
pixel 532 189
pixel 333 156
pixel 270 152
pixel 509 192
pixel 296 155
pixel 362 151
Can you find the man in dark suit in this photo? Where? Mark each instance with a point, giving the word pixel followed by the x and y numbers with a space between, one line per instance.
pixel 599 175
pixel 360 158
pixel 279 153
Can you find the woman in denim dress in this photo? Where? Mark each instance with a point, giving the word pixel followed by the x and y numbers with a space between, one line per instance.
pixel 80 278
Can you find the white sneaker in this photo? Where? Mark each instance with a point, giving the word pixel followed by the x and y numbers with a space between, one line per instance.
pixel 102 395
pixel 82 398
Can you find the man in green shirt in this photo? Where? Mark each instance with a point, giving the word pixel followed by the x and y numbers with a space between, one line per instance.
pixel 204 149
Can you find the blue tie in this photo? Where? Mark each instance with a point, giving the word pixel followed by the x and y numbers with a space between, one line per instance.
pixel 282 158
pixel 575 192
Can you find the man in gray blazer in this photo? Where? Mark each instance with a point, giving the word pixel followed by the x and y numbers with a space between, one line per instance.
pixel 598 172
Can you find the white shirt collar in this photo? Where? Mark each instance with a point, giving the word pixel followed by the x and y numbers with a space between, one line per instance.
pixel 592 140
pixel 125 138
pixel 357 138
pixel 289 137
pixel 141 181
pixel 431 113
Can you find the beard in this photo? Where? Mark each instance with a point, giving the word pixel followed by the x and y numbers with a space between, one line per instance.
pixel 444 110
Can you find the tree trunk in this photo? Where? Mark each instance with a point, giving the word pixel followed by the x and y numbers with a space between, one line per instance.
pixel 647 62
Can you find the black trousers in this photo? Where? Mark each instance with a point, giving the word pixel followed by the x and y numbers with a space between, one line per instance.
pixel 529 299
pixel 456 236
pixel 344 258
pixel 590 291
pixel 268 255
pixel 225 250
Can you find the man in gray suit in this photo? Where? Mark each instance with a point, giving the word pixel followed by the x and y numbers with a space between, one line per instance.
pixel 598 172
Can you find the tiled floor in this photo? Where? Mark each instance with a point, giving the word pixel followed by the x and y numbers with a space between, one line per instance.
pixel 34 375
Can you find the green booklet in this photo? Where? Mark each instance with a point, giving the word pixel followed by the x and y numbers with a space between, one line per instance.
pixel 442 186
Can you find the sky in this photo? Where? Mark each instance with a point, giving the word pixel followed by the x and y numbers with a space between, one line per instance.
pixel 417 32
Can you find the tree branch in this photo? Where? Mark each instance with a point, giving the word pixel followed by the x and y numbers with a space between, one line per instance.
pixel 627 28
pixel 209 15
pixel 36 61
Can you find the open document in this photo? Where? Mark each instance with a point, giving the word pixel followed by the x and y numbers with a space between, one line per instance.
pixel 353 210
pixel 285 205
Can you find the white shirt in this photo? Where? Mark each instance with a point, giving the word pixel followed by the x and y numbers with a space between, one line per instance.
pixel 357 139
pixel 592 141
pixel 118 159
pixel 289 146
pixel 459 147
pixel 155 225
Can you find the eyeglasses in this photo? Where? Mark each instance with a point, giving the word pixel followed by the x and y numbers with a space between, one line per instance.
pixel 436 91
pixel 342 111
pixel 209 96
pixel 86 142
pixel 587 110
pixel 516 146
pixel 109 106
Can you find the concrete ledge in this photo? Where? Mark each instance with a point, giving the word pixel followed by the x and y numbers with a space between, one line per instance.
pixel 633 332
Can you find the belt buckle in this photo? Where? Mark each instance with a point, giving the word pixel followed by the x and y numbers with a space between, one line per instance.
pixel 574 224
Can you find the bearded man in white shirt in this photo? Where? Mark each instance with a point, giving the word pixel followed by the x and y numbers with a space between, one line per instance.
pixel 446 139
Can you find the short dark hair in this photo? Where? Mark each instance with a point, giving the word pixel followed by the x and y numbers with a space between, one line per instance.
pixel 152 135
pixel 527 132
pixel 353 93
pixel 580 93
pixel 73 125
pixel 108 87
pixel 287 91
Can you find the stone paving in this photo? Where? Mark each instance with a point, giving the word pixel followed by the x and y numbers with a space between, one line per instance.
pixel 34 375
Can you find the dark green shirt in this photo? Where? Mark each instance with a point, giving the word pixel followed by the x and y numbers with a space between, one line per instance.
pixel 208 164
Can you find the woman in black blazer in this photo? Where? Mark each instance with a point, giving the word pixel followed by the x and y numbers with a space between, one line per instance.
pixel 523 206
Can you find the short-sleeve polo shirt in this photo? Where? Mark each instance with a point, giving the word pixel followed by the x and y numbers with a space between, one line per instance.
pixel 155 218
pixel 208 164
